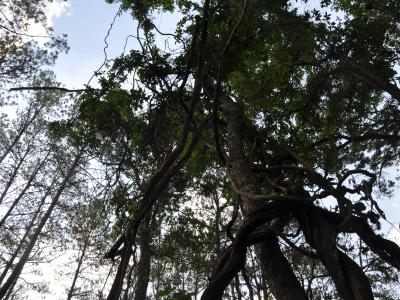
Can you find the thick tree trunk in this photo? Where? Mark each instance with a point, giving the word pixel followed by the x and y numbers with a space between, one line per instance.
pixel 24 258
pixel 350 281
pixel 10 292
pixel 277 271
pixel 275 268
pixel 118 282
pixel 143 278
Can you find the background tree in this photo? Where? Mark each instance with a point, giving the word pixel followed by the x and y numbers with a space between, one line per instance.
pixel 20 55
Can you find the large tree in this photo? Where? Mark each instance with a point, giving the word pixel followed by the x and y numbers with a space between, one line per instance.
pixel 292 107
pixel 247 157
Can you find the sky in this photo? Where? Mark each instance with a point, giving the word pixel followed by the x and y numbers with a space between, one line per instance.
pixel 86 22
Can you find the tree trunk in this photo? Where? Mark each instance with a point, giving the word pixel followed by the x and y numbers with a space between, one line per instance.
pixel 144 262
pixel 248 284
pixel 26 234
pixel 276 270
pixel 350 281
pixel 24 258
pixel 13 175
pixel 118 282
pixel 128 283
pixel 237 287
pixel 24 127
pixel 10 292
pixel 78 269
pixel 22 193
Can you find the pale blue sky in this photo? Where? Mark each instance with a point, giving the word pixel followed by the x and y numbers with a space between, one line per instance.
pixel 86 22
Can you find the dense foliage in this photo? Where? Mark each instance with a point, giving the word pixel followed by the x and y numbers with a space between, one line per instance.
pixel 245 159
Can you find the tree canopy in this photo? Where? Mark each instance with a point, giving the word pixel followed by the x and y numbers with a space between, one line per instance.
pixel 244 154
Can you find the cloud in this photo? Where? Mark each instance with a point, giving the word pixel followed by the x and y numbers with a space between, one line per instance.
pixel 394 234
pixel 54 9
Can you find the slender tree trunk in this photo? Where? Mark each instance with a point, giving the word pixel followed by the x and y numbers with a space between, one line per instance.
pixel 24 258
pixel 26 234
pixel 10 292
pixel 163 175
pixel 78 268
pixel 237 287
pixel 216 224
pixel 248 284
pixel 23 129
pixel 143 278
pixel 129 282
pixel 22 193
pixel 232 288
pixel 13 175
pixel 275 268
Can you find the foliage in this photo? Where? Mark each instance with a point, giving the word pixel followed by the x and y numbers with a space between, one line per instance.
pixel 21 56
pixel 257 142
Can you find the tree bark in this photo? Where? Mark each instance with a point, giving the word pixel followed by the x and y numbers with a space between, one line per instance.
pixel 143 278
pixel 10 292
pixel 275 268
pixel 350 281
